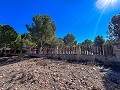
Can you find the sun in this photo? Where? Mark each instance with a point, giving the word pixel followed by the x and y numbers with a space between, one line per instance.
pixel 105 4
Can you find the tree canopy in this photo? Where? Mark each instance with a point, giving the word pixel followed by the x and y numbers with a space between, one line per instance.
pixel 87 43
pixel 23 41
pixel 42 30
pixel 18 43
pixel 59 42
pixel 27 41
pixel 7 35
pixel 69 39
pixel 114 28
pixel 99 41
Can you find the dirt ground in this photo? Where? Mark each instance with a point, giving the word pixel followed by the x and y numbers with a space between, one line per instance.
pixel 47 74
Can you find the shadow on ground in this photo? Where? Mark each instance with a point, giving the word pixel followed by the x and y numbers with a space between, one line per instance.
pixel 15 59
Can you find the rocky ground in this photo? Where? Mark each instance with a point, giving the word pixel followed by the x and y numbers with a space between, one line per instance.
pixel 46 74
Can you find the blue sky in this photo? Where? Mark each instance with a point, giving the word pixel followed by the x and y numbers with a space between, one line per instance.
pixel 78 17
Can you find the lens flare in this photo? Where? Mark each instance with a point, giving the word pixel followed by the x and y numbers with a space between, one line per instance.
pixel 105 4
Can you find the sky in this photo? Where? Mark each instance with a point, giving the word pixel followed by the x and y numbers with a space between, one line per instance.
pixel 82 18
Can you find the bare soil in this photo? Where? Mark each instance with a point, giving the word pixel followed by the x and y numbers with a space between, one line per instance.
pixel 46 74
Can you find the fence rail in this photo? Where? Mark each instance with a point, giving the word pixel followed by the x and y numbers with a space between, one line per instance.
pixel 5 52
pixel 68 50
pixel 81 50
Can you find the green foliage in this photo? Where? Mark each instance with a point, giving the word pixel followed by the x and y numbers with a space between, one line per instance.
pixel 59 42
pixel 51 42
pixel 87 43
pixel 7 35
pixel 42 33
pixel 109 42
pixel 114 28
pixel 23 41
pixel 79 44
pixel 42 30
pixel 75 43
pixel 26 36
pixel 99 41
pixel 69 39
pixel 27 41
pixel 18 43
pixel 28 44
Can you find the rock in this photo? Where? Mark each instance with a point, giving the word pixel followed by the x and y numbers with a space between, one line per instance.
pixel 19 76
pixel 94 69
pixel 34 82
pixel 11 60
pixel 95 88
pixel 57 75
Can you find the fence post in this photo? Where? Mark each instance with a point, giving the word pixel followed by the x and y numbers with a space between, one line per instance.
pixel 56 51
pixel 78 52
pixel 117 53
pixel 40 51
pixel 102 50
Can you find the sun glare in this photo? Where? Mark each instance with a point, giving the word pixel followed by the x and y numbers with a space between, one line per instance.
pixel 105 4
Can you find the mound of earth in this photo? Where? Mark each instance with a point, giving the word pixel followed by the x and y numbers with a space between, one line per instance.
pixel 46 74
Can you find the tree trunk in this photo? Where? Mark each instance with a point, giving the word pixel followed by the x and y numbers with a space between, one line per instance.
pixel 3 52
pixel 39 48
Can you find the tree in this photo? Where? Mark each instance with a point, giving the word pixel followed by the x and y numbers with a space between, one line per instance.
pixel 59 42
pixel 69 39
pixel 42 30
pixel 18 43
pixel 80 44
pixel 23 42
pixel 7 35
pixel 26 36
pixel 87 43
pixel 75 43
pixel 27 41
pixel 114 28
pixel 99 41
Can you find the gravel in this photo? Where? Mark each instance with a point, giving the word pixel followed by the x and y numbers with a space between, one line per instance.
pixel 45 74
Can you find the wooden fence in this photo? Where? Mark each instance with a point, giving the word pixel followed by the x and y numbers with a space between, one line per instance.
pixel 105 54
pixel 107 50
pixel 6 52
